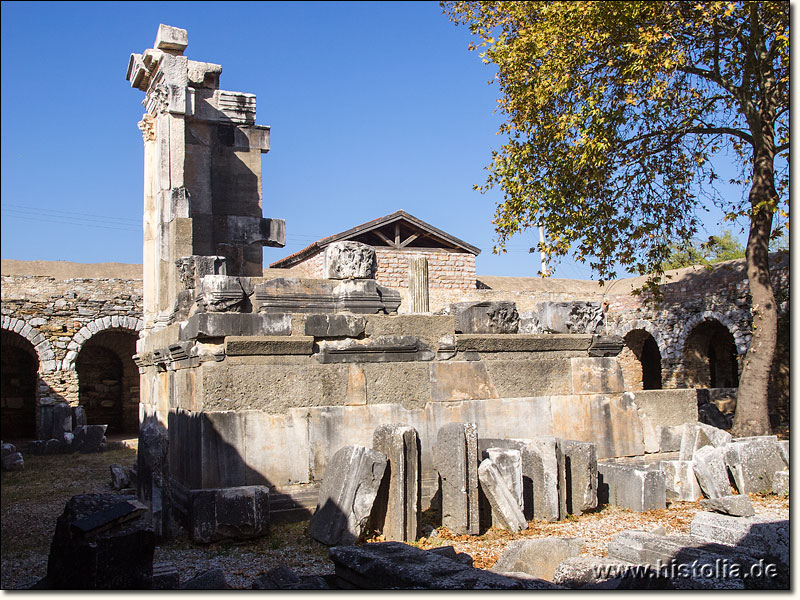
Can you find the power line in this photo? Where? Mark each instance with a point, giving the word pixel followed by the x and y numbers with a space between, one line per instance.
pixel 38 210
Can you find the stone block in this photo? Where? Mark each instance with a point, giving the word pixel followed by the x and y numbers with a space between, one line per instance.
pixel 523 343
pixel 606 346
pixel 764 536
pixel 94 439
pixel 543 463
pixel 669 437
pixel 78 417
pixel 753 463
pixel 591 572
pixel 11 459
pixel 709 468
pixel 631 487
pixel 506 512
pixel 486 317
pixel 213 325
pixel 780 483
pixel 509 463
pixel 327 325
pixel 453 381
pixel 233 513
pixel 387 348
pixel 455 456
pixel 269 345
pixel 569 317
pixel 783 448
pixel 450 552
pixel 171 38
pixel 346 495
pixel 223 293
pixel 119 477
pixel 394 565
pixel 397 506
pixel 580 473
pixel 254 231
pixel 681 482
pixel 46 421
pixel 737 506
pixel 152 468
pixel 539 557
pixel 349 260
pixel 596 376
pixel 62 421
pixel 697 435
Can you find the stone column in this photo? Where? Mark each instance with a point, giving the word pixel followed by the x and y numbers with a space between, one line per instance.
pixel 397 511
pixel 418 285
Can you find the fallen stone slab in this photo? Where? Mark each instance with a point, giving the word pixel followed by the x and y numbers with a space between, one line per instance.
pixel 505 506
pixel 580 467
pixel 538 557
pixel 234 513
pixel 455 456
pixel 397 505
pixel 709 468
pixel 753 463
pixel 543 463
pixel 780 483
pixel 761 535
pixel 697 435
pixel 509 463
pixel 93 549
pixel 737 506
pixel 450 552
pixel 394 565
pixel 590 572
pixel 681 482
pixel 632 487
pixel 210 580
pixel 347 494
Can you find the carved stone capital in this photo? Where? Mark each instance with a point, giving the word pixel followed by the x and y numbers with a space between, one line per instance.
pixel 148 127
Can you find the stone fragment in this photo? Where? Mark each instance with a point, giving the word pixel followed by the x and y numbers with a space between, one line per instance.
pixel 543 463
pixel 165 576
pixel 455 457
pixel 171 39
pixel 327 325
pixel 737 506
pixel 486 317
pixel 11 459
pixel 94 440
pixel 539 556
pixel 606 345
pixel 101 552
pixel 580 468
pixel 681 482
pixel 215 325
pixel 62 421
pixel 223 293
pixel 292 295
pixel 709 414
pixel 765 536
pixel 78 417
pixel 631 487
pixel 450 552
pixel 780 483
pixel 213 579
pixel 349 260
pixel 669 437
pixel 394 565
pixel 783 448
pixel 509 463
pixel 346 496
pixel 232 513
pixel 119 477
pixel 709 468
pixel 152 468
pixel 697 435
pixel 385 348
pixel 278 578
pixel 590 572
pixel 753 463
pixel 506 512
pixel 398 503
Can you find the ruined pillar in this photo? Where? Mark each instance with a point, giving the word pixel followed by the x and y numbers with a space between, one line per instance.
pixel 418 285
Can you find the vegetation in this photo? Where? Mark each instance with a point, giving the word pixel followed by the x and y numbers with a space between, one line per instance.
pixel 716 249
pixel 619 116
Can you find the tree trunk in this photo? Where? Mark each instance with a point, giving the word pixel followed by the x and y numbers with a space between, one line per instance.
pixel 752 414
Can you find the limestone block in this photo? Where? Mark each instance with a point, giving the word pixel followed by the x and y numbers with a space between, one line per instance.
pixel 569 317
pixel 485 317
pixel 356 386
pixel 328 325
pixel 783 448
pixel 506 512
pixel 460 380
pixel 667 407
pixel 232 513
pixel 709 468
pixel 606 345
pixel 171 38
pixel 455 456
pixel 539 557
pixel 292 295
pixel 596 376
pixel 631 487
pixel 580 466
pixel 543 463
pixel 212 325
pixel 152 476
pixel 737 506
pixel 346 495
pixel 759 534
pixel 523 342
pixel 222 293
pixel 697 435
pixel 591 572
pixel 62 421
pixel 387 348
pixel 398 504
pixel 669 437
pixel 753 463
pixel 681 482
pixel 349 260
pixel 509 462
pixel 256 231
pixel 269 345
pixel 780 483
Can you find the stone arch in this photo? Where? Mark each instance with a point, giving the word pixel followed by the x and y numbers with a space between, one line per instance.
pixel 19 391
pixel 47 357
pixel 710 355
pixel 93 328
pixel 625 328
pixel 739 338
pixel 642 356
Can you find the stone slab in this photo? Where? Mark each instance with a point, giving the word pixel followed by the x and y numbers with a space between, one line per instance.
pixel 523 342
pixel 213 325
pixel 506 511
pixel 681 482
pixel 631 487
pixel 580 466
pixel 780 483
pixel 268 345
pixel 543 463
pixel 753 463
pixel 539 557
pixel 456 459
pixel 460 380
pixel 401 348
pixel 759 534
pixel 494 317
pixel 234 513
pixel 397 505
pixel 596 376
pixel 328 325
pixel 737 506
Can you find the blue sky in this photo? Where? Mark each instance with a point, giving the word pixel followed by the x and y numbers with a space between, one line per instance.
pixel 374 107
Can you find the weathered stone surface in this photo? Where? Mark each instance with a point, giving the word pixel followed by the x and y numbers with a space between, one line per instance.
pixel 485 317
pixel 328 325
pixel 697 435
pixel 62 421
pixel 165 576
pixel 580 467
pixel 509 463
pixel 783 448
pixel 209 580
pixel 362 296
pixel 450 552
pixel 681 482
pixel 269 345
pixel 152 468
pixel 11 459
pixel 539 557
pixel 346 495
pixel 523 342
pixel 397 506
pixel 737 506
pixel 394 565
pixel 453 381
pixel 455 456
pixel 709 414
pixel 569 317
pixel 349 260
pixel 387 348
pixel 233 513
pixel 780 483
pixel 543 463
pixel 506 511
pixel 761 535
pixel 591 572
pixel 669 437
pixel 119 477
pixel 753 463
pixel 278 578
pixel 94 440
pixel 78 417
pixel 709 468
pixel 631 487
pixel 213 325
pixel 606 345
pixel 223 293
pixel 667 407
pixel 596 376
pixel 116 554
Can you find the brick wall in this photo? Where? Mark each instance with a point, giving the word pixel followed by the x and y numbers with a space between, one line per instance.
pixel 446 270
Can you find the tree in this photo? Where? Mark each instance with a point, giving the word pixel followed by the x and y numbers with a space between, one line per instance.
pixel 619 115
pixel 716 249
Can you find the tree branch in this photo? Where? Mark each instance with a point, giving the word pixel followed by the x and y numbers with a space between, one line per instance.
pixel 781 148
